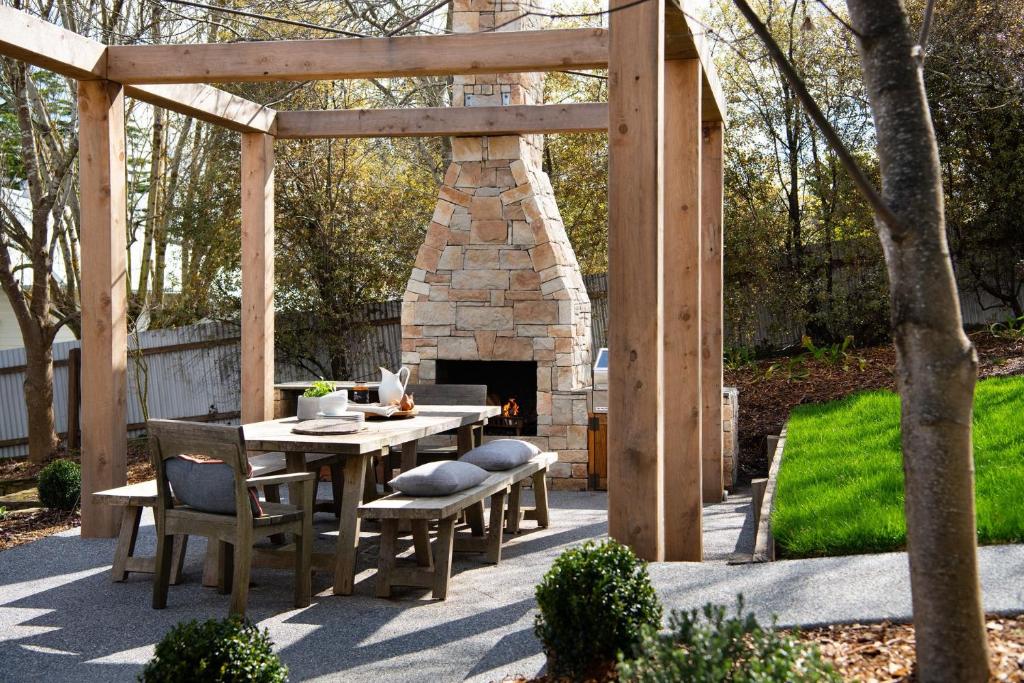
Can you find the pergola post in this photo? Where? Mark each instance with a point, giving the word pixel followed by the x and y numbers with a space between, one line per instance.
pixel 682 335
pixel 257 277
pixel 635 265
pixel 103 299
pixel 711 309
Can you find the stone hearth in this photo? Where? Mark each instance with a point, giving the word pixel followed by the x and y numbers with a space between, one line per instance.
pixel 496 278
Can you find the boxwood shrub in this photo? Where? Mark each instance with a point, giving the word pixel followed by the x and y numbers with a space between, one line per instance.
pixel 215 651
pixel 594 604
pixel 60 485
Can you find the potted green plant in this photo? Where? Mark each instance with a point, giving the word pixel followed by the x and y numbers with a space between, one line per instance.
pixel 309 402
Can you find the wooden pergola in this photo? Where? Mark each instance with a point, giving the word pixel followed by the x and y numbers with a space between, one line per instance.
pixel 664 120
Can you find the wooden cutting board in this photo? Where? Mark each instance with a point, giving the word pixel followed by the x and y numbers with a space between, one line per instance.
pixel 327 427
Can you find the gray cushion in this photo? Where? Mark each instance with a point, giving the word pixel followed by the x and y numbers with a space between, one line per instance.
pixel 440 478
pixel 501 454
pixel 206 485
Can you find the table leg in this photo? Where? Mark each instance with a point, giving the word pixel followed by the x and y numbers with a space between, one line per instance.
pixel 295 461
pixel 409 455
pixel 465 440
pixel 348 525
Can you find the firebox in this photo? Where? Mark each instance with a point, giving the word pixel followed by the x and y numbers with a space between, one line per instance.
pixel 510 384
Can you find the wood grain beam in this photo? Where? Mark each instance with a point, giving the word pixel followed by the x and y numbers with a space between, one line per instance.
pixel 684 39
pixel 363 123
pixel 342 58
pixel 42 44
pixel 104 299
pixel 711 312
pixel 682 335
pixel 636 403
pixel 257 277
pixel 38 42
pixel 209 104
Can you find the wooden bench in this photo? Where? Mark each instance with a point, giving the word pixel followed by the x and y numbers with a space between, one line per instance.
pixel 434 568
pixel 134 497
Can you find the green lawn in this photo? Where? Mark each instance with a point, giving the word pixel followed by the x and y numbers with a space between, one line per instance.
pixel 840 488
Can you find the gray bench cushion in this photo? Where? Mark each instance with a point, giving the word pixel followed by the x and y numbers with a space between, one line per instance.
pixel 439 478
pixel 501 454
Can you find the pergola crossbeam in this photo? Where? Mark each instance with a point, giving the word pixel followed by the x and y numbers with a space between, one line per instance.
pixel 42 44
pixel 443 121
pixel 344 58
pixel 209 104
pixel 682 42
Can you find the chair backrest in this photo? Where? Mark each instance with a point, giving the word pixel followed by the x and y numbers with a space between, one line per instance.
pixel 448 394
pixel 172 438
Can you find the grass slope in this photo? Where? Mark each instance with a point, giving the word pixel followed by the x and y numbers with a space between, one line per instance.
pixel 840 488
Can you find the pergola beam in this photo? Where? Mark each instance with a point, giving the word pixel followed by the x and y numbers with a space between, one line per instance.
pixel 38 42
pixel 682 42
pixel 206 103
pixel 47 46
pixel 343 58
pixel 636 176
pixel 443 121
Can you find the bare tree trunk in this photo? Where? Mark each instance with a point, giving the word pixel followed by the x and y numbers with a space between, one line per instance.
pixel 936 363
pixel 42 432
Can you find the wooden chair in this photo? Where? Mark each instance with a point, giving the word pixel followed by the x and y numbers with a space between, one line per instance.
pixel 235 533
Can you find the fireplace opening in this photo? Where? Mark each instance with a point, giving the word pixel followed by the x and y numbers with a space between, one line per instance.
pixel 510 384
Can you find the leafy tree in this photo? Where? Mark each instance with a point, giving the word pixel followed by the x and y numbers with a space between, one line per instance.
pixel 977 97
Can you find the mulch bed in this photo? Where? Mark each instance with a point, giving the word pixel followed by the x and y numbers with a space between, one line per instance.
pixel 884 653
pixel 771 388
pixel 24 526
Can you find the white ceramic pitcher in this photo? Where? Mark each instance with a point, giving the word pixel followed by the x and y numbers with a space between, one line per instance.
pixel 392 386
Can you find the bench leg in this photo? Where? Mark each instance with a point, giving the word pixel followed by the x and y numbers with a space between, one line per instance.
pixel 514 515
pixel 386 562
pixel 130 518
pixel 475 517
pixel 443 556
pixel 421 541
pixel 540 495
pixel 495 529
pixel 178 558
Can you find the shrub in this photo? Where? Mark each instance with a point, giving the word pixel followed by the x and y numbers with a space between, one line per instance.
pixel 720 649
pixel 60 485
pixel 594 603
pixel 218 650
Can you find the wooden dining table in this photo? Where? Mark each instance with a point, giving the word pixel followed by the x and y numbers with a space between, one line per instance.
pixel 358 449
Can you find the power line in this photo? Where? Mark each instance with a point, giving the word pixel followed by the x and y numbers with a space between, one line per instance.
pixel 279 20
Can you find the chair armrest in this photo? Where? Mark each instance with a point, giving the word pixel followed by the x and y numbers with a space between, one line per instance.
pixel 293 478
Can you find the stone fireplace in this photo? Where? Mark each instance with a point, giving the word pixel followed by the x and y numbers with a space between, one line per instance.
pixel 496 280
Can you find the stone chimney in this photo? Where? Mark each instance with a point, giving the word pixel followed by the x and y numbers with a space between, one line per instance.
pixel 496 279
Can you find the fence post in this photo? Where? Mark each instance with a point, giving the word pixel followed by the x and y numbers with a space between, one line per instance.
pixel 74 440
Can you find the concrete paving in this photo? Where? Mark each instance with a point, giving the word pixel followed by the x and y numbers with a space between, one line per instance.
pixel 62 619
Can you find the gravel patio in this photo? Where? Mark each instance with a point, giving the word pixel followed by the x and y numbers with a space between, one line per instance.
pixel 62 619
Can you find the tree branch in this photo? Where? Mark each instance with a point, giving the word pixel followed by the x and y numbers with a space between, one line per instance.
pixel 859 177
